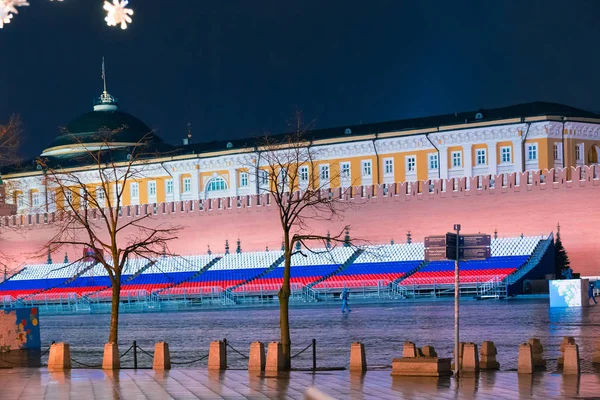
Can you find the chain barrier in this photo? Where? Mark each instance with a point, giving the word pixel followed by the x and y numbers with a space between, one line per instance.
pixel 241 354
pixel 100 365
pixel 124 354
pixel 86 365
pixel 189 362
pixel 145 352
pixel 302 351
pixel 173 362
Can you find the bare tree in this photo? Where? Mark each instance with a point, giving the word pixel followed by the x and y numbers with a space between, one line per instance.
pixel 11 135
pixel 89 207
pixel 287 170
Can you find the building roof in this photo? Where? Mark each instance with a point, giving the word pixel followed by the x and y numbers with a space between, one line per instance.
pixel 85 129
pixel 521 111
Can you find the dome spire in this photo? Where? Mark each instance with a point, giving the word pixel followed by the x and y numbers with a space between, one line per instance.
pixel 104 76
pixel 106 102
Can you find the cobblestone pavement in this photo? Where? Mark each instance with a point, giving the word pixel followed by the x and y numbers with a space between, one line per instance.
pixel 21 383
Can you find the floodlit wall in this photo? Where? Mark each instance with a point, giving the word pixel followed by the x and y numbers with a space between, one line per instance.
pixel 528 203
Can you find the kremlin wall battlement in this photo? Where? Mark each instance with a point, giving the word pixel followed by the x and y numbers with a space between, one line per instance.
pixel 529 203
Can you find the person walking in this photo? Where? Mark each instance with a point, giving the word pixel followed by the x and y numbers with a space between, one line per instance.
pixel 591 293
pixel 345 294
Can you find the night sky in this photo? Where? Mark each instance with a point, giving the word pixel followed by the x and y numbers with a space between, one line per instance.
pixel 237 68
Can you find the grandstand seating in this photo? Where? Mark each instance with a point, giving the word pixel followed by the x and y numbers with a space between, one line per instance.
pixel 378 265
pixel 307 266
pixel 507 256
pixel 263 271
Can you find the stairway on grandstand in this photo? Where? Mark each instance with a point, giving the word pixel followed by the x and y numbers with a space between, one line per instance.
pixel 397 266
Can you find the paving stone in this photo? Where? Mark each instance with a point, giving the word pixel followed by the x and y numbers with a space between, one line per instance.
pixel 239 384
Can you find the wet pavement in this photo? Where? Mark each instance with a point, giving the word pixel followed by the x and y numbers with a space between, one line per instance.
pixel 238 384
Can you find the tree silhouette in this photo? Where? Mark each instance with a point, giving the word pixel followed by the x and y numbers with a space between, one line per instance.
pixel 561 259
pixel 288 172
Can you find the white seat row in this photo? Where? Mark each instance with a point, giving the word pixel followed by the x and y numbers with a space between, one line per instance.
pixel 514 246
pixel 179 264
pixel 392 252
pixel 261 259
pixel 332 256
pixel 50 271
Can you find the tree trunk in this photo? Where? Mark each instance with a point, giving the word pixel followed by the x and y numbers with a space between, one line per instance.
pixel 114 313
pixel 284 303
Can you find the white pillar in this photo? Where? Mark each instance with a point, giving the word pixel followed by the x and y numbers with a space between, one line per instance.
pixel 195 184
pixel 518 155
pixel 233 178
pixel 443 162
pixel 492 159
pixel 176 186
pixel 468 161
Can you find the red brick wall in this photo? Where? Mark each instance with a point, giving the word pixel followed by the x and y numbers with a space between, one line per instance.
pixel 529 209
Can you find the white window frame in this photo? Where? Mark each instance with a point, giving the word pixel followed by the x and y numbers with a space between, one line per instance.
pixel 244 179
pixel 345 171
pixel 366 168
pixel 410 163
pixel 324 172
pixel 68 196
pixel 152 189
pixel 187 185
pixel 458 157
pixel 388 166
pixel 169 186
pixel 508 153
pixel 21 200
pixel 134 190
pixel 303 174
pixel 483 154
pixel 263 177
pixel 35 199
pixel 579 150
pixel 557 151
pixel 212 187
pixel 100 196
pixel 433 158
pixel 532 152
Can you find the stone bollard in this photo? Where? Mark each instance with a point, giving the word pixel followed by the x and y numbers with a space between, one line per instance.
pixel 60 357
pixel 461 347
pixel 538 350
pixel 488 356
pixel 274 357
pixel 566 340
pixel 596 358
pixel 470 358
pixel 409 350
pixel 162 357
pixel 256 360
pixel 525 365
pixel 358 358
pixel 428 351
pixel 572 365
pixel 111 358
pixel 217 355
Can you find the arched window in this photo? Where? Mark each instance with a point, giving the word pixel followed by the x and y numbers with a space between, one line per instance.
pixel 216 184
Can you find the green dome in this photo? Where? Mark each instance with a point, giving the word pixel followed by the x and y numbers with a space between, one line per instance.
pixel 105 127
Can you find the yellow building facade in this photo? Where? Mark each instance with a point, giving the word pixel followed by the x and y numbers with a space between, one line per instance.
pixel 498 141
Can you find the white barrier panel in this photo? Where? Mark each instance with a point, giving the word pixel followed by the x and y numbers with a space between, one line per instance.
pixel 569 293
